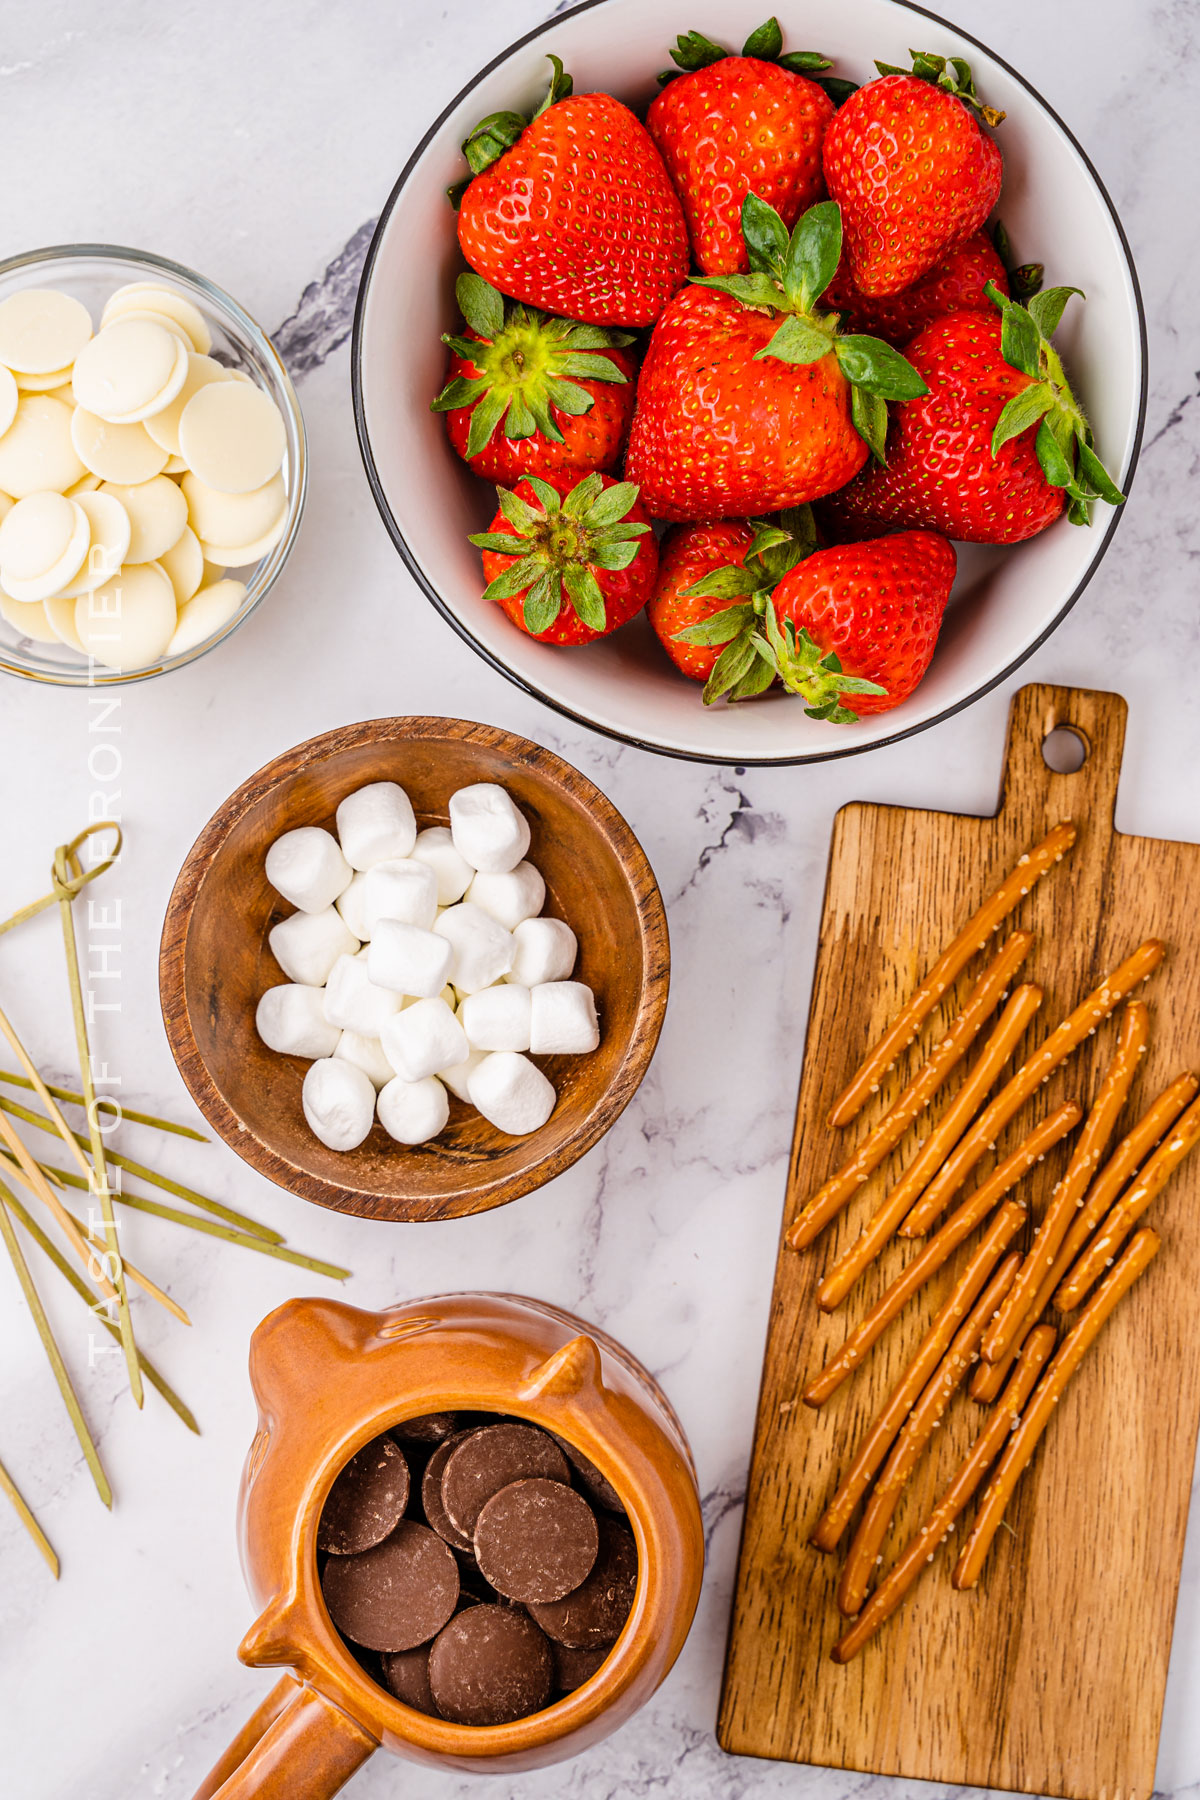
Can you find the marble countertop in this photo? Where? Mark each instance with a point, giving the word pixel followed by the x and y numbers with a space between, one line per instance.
pixel 257 143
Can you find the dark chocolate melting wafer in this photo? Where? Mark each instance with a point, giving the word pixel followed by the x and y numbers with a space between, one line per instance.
pixel 367 1500
pixel 573 1667
pixel 595 1612
pixel 406 1674
pixel 489 1666
pixel 431 1493
pixel 397 1595
pixel 536 1540
pixel 595 1485
pixel 430 1428
pixel 491 1458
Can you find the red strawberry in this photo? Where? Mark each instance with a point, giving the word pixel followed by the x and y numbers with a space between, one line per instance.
pixel 956 285
pixel 733 125
pixel 851 629
pixel 748 400
pixel 561 391
pixel 573 211
pixel 569 559
pixel 997 447
pixel 911 169
pixel 686 555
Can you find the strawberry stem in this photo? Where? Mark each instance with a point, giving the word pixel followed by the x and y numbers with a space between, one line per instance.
pixel 695 51
pixel 952 74
pixel 559 544
pixel 500 131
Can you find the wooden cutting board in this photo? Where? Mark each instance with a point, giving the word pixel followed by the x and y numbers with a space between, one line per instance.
pixel 1049 1677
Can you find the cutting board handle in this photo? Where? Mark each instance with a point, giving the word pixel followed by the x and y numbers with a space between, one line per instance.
pixel 1033 796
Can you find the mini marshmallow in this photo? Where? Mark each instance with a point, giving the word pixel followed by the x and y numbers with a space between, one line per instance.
pixel 374 823
pixel 498 1018
pixel 488 830
pixel 412 1112
pixel 307 945
pixel 509 898
pixel 543 950
pixel 353 1002
pixel 511 1093
pixel 307 868
pixel 458 1077
pixel 291 1019
pixel 339 1103
pixel 400 889
pixel 562 1019
pixel 482 948
pixel 408 960
pixel 424 1038
pixel 435 846
pixel 351 903
pixel 366 1053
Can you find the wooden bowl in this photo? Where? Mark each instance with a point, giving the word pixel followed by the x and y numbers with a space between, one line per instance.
pixel 215 964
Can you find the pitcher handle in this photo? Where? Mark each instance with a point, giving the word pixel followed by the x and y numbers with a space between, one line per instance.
pixel 297 1746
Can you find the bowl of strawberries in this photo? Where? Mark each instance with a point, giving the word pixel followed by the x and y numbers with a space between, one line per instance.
pixel 763 391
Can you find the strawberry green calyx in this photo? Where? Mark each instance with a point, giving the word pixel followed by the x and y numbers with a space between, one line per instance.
pixel 695 51
pixel 1024 279
pixel 500 131
pixel 757 647
pixel 1064 445
pixel 560 546
pixel 788 275
pixel 950 73
pixel 529 362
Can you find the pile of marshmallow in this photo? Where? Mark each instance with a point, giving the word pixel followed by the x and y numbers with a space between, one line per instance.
pixel 135 469
pixel 420 967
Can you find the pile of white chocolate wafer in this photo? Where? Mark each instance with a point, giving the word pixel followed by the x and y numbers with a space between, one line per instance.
pixel 1085 1244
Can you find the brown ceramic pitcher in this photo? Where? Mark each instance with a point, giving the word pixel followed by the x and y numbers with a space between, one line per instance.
pixel 328 1378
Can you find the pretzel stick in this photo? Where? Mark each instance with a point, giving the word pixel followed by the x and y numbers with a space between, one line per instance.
pixel 1058 1046
pixel 946 970
pixel 858 1257
pixel 1129 1209
pixel 1121 1165
pixel 921 1549
pixel 1068 1195
pixel 982 1001
pixel 938 1250
pixel 1038 1413
pixel 919 1427
pixel 878 1439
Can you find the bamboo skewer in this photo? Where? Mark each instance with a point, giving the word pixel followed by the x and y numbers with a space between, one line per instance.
pixel 99 1169
pixel 77 882
pixel 51 1249
pixel 125 1113
pixel 136 1275
pixel 141 1173
pixel 37 1310
pixel 38 1184
pixel 9 1486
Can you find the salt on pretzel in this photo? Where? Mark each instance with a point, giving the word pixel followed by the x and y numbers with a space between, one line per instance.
pixel 946 970
pixel 1067 1037
pixel 1129 1208
pixel 941 1246
pixel 1041 1407
pixel 981 1002
pixel 915 1433
pixel 1068 1195
pixel 921 1549
pixel 879 1437
pixel 1125 1160
pixel 859 1256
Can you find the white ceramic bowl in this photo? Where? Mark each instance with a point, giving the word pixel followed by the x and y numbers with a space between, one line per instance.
pixel 1005 602
pixel 91 272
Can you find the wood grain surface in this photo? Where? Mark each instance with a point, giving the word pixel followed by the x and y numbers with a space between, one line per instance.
pixel 215 963
pixel 1049 1677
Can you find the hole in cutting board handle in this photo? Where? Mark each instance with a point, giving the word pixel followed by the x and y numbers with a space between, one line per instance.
pixel 1065 750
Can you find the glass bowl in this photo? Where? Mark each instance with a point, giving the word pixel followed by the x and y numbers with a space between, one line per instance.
pixel 91 272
